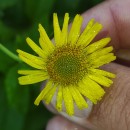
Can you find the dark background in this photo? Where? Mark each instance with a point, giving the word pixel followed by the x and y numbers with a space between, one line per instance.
pixel 19 19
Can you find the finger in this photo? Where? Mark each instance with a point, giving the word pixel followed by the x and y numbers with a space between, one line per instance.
pixel 60 123
pixel 114 15
pixel 113 111
pixel 123 57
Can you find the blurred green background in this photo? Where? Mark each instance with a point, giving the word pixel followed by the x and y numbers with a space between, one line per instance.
pixel 19 19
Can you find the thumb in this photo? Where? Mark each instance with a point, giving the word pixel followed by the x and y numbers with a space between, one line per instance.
pixel 112 113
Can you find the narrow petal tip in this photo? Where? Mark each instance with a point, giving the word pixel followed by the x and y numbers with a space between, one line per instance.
pixel 18 50
pixel 36 102
pixel 27 39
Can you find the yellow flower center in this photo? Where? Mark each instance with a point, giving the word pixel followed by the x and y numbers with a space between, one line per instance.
pixel 66 65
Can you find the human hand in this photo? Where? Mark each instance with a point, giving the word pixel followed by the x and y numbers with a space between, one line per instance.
pixel 113 112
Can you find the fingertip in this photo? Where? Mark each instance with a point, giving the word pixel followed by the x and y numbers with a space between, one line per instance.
pixel 113 15
pixel 60 123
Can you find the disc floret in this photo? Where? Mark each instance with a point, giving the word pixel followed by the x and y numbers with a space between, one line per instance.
pixel 67 65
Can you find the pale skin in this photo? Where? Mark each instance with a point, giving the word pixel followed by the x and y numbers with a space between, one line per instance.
pixel 113 112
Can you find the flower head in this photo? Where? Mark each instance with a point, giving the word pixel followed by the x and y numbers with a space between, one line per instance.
pixel 70 64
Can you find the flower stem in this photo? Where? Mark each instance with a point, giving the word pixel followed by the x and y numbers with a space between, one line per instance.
pixel 9 53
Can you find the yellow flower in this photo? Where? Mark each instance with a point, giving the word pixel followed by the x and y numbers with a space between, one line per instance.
pixel 70 64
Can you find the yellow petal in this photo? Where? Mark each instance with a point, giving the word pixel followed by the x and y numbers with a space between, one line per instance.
pixel 45 39
pixel 99 53
pixel 59 99
pixel 28 72
pixel 37 60
pixel 48 97
pixel 32 78
pixel 44 91
pixel 97 45
pixel 68 101
pixel 88 35
pixel 103 60
pixel 75 30
pixel 91 90
pixel 36 48
pixel 102 72
pixel 78 98
pixel 88 26
pixel 57 31
pixel 64 32
pixel 101 79
pixel 46 50
pixel 31 63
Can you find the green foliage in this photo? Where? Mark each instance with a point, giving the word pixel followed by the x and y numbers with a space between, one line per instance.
pixel 7 3
pixel 20 102
pixel 19 19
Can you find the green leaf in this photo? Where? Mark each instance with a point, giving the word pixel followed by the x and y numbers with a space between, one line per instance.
pixel 40 9
pixel 10 118
pixel 14 120
pixel 18 96
pixel 3 108
pixel 38 118
pixel 7 3
pixel 39 12
pixel 6 33
pixel 5 63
